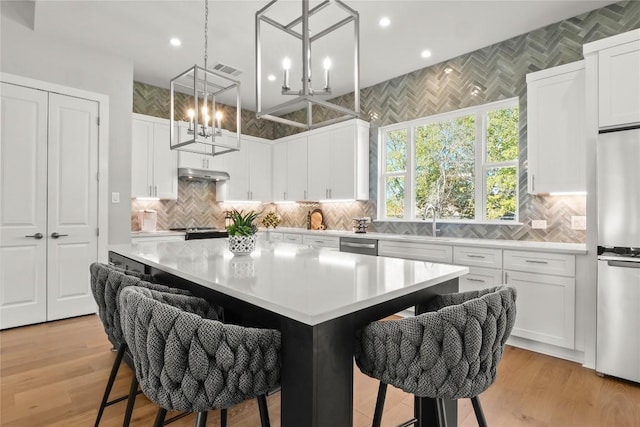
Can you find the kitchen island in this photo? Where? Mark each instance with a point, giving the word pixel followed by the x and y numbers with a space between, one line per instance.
pixel 316 297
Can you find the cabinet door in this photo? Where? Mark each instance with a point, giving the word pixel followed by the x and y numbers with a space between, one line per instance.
pixel 236 164
pixel 165 164
pixel 141 158
pixel 319 146
pixel 619 85
pixel 260 171
pixel 555 126
pixel 545 307
pixel 297 168
pixel 280 172
pixel 342 171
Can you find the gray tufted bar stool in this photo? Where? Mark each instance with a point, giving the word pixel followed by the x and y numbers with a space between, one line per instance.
pixel 185 362
pixel 106 284
pixel 450 352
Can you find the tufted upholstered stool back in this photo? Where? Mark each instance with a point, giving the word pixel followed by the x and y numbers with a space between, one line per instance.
pixel 187 363
pixel 450 352
pixel 106 284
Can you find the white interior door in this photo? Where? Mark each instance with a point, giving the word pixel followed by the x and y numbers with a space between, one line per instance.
pixel 23 206
pixel 72 205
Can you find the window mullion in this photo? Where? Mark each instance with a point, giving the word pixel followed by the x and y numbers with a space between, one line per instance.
pixel 410 175
pixel 480 187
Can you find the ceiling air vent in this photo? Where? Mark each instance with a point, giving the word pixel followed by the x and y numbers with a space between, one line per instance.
pixel 227 69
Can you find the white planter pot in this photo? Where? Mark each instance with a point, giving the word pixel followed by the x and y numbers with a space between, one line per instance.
pixel 242 245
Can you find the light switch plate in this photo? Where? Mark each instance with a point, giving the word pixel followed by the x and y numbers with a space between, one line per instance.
pixel 115 197
pixel 539 224
pixel 579 222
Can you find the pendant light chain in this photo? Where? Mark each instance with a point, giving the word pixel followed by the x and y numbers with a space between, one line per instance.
pixel 206 30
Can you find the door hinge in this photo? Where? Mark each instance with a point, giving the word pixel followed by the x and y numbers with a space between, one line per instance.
pixel 98 176
pixel 98 121
pixel 97 231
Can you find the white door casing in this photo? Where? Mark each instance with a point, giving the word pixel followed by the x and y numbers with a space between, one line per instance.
pixel 23 205
pixel 72 205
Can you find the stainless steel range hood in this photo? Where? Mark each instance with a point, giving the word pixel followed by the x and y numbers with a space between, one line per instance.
pixel 202 174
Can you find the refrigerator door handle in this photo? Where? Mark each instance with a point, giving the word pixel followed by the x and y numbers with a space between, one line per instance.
pixel 624 264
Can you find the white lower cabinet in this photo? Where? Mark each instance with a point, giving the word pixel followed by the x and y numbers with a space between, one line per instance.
pixel 416 251
pixel 480 278
pixel 546 296
pixel 322 241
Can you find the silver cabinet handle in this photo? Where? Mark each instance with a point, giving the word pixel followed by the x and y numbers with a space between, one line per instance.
pixel 55 235
pixel 330 194
pixel 150 190
pixel 250 195
pixel 155 190
pixel 535 261
pixel 36 236
pixel 476 256
pixel 305 194
pixel 471 279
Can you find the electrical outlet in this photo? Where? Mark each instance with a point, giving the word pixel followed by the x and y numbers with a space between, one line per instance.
pixel 539 224
pixel 579 222
pixel 115 197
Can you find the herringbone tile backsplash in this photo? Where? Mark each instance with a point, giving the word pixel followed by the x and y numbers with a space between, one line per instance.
pixel 498 71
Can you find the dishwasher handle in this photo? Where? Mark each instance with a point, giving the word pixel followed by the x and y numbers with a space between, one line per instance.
pixel 359 245
pixel 624 264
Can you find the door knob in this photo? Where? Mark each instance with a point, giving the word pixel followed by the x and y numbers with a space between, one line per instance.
pixel 56 235
pixel 36 236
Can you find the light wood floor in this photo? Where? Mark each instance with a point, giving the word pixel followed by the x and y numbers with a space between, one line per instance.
pixel 54 374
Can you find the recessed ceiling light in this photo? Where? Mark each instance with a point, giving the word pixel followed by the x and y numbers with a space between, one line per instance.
pixel 425 53
pixel 384 22
pixel 175 41
pixel 271 78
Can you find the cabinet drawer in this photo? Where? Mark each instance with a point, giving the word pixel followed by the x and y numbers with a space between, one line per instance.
pixel 292 238
pixel 416 251
pixel 539 262
pixel 545 308
pixel 480 278
pixel 477 257
pixel 324 241
pixel 275 237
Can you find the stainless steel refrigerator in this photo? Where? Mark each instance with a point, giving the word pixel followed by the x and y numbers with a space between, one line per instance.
pixel 618 314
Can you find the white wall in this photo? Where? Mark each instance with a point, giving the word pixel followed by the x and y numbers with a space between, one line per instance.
pixel 27 53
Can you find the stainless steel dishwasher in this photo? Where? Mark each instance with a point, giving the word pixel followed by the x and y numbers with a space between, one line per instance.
pixel 357 245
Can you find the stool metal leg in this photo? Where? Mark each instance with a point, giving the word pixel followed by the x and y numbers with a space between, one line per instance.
pixel 133 392
pixel 112 378
pixel 159 422
pixel 477 408
pixel 264 411
pixel 442 416
pixel 223 418
pixel 377 415
pixel 201 421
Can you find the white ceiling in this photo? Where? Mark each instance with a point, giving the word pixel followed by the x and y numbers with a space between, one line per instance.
pixel 140 30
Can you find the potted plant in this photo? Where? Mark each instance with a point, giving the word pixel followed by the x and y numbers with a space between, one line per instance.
pixel 242 232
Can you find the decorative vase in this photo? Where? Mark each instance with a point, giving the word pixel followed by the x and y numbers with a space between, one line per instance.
pixel 242 245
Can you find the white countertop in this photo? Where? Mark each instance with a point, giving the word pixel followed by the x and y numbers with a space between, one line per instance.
pixel 307 284
pixel 571 248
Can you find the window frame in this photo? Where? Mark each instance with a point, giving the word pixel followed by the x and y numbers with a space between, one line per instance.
pixel 481 164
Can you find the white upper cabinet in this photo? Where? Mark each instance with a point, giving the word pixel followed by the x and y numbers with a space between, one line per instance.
pixel 555 129
pixel 618 79
pixel 249 172
pixel 153 164
pixel 338 162
pixel 297 168
pixel 280 172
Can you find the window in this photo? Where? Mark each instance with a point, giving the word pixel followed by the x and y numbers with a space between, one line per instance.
pixel 463 163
